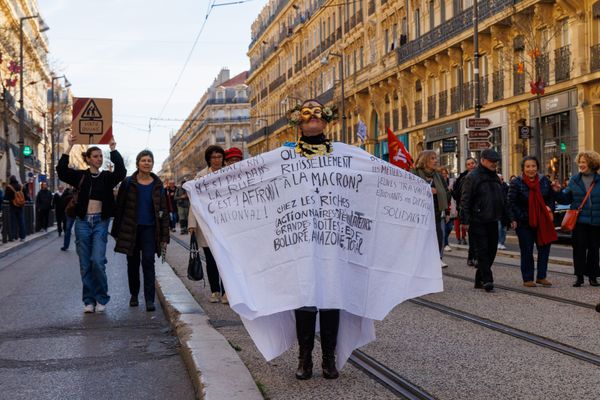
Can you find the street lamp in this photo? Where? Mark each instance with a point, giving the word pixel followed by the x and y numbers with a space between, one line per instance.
pixel 325 61
pixel 53 139
pixel 43 28
pixel 258 121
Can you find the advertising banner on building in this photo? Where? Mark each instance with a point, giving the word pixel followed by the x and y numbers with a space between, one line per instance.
pixel 344 231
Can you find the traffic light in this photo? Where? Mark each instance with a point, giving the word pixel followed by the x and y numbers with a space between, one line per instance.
pixel 563 147
pixel 27 151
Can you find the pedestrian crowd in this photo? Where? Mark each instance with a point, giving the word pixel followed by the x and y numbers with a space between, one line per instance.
pixel 481 207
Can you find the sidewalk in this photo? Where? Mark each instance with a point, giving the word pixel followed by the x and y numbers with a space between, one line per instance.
pixel 9 247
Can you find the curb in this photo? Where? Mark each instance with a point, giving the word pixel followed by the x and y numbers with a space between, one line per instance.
pixel 217 372
pixel 32 238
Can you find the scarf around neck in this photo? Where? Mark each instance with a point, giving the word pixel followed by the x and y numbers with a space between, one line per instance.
pixel 539 216
pixel 442 198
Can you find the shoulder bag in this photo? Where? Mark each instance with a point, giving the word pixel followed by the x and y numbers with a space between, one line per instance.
pixel 570 218
pixel 194 272
pixel 71 207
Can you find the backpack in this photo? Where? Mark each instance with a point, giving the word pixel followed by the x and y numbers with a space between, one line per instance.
pixel 19 199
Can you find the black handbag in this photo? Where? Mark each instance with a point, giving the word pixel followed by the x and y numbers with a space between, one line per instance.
pixel 194 272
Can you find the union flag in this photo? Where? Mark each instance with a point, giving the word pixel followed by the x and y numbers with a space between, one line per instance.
pixel 399 156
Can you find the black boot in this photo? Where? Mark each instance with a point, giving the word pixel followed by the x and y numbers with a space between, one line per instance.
pixel 330 322
pixel 579 281
pixel 594 281
pixel 305 331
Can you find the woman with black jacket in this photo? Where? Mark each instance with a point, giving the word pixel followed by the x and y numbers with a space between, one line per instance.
pixel 141 226
pixel 530 206
pixel 95 206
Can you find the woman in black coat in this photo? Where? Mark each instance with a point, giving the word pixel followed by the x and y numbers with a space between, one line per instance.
pixel 530 206
pixel 141 226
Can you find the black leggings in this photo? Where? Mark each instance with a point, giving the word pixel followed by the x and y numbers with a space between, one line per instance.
pixel 212 272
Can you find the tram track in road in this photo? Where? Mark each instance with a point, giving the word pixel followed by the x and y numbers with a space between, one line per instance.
pixel 528 292
pixel 507 265
pixel 377 371
pixel 511 331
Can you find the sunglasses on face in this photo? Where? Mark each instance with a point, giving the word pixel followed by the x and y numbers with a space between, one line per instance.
pixel 309 112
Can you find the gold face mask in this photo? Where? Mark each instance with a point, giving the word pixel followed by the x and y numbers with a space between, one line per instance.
pixel 308 112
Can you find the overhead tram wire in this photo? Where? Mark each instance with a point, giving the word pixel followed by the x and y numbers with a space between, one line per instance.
pixel 189 56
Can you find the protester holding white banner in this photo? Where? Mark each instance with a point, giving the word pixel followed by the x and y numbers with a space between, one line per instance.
pixel 215 159
pixel 319 226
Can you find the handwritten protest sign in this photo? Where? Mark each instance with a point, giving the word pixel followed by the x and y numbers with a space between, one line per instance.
pixel 346 231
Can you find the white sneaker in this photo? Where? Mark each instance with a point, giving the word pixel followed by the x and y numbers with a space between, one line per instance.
pixel 444 265
pixel 214 297
pixel 501 246
pixel 447 248
pixel 100 308
pixel 88 308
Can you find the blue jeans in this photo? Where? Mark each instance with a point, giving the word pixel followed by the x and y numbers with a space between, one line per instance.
pixel 17 222
pixel 68 229
pixel 91 235
pixel 501 233
pixel 447 230
pixel 527 237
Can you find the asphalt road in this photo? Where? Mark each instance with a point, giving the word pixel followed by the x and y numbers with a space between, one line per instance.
pixel 50 350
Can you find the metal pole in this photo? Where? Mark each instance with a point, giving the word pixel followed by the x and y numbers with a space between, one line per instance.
pixel 52 153
pixel 476 87
pixel 343 100
pixel 21 110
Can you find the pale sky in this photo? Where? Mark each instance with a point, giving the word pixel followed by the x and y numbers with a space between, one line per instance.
pixel 133 51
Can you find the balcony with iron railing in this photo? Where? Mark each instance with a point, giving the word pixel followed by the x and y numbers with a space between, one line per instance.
pixel 404 113
pixel 485 89
pixel 418 112
pixel 562 63
pixel 498 85
pixel 542 68
pixel 371 7
pixel 449 29
pixel 455 99
pixel 518 80
pixel 467 95
pixel 595 57
pixel 443 103
pixel 431 104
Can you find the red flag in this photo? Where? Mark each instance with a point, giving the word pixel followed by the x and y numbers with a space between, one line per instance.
pixel 399 156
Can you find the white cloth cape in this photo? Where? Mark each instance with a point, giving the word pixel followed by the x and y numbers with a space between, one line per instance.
pixel 274 224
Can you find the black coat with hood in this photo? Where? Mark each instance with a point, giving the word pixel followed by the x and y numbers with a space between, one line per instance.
pixel 124 228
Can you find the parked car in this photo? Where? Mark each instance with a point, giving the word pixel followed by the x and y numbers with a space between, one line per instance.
pixel 559 214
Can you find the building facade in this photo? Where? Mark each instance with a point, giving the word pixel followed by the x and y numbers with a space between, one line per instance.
pixel 410 66
pixel 36 78
pixel 221 117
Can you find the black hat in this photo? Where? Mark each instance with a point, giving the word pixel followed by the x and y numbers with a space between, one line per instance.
pixel 490 155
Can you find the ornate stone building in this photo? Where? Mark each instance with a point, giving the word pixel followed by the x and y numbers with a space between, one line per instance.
pixel 36 77
pixel 221 117
pixel 409 65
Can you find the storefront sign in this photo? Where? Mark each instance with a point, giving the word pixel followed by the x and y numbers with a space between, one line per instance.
pixel 525 132
pixel 448 145
pixel 443 131
pixel 555 103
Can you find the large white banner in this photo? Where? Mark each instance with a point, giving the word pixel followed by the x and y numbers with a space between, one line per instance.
pixel 346 231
